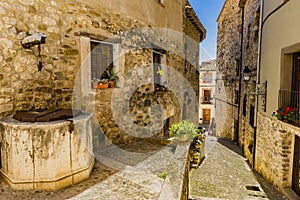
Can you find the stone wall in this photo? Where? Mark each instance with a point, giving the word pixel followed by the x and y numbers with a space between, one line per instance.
pixel 250 48
pixel 274 151
pixel 229 62
pixel 23 86
pixel 228 49
pixel 123 130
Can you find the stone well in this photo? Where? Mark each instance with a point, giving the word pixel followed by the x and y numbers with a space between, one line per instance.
pixel 46 155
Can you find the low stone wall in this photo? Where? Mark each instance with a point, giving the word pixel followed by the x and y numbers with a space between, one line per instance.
pixel 176 185
pixel 274 150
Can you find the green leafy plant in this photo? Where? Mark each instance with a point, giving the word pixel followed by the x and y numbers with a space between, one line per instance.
pixel 287 114
pixel 112 74
pixel 185 128
pixel 163 175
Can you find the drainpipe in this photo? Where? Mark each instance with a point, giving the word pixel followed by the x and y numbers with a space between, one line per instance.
pixel 257 79
pixel 242 6
pixel 261 24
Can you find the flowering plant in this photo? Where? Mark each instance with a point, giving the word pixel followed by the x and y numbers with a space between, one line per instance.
pixel 287 114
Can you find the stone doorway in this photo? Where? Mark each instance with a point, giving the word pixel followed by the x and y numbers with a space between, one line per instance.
pixel 296 167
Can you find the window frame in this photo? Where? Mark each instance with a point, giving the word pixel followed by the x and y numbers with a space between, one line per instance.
pixel 115 50
pixel 163 81
pixel 86 60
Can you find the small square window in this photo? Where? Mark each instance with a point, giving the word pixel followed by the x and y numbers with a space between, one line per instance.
pixel 103 56
pixel 207 78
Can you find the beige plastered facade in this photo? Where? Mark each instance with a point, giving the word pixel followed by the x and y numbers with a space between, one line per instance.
pixel 275 139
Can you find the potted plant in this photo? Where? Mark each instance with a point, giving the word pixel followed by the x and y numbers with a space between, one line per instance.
pixel 95 82
pixel 113 77
pixel 103 84
pixel 288 114
pixel 186 131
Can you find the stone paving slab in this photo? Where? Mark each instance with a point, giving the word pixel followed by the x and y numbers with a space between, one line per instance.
pixel 117 187
pixel 225 174
pixel 138 170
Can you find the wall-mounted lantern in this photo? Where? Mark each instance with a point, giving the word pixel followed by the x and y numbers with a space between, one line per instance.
pixel 32 40
pixel 261 89
pixel 246 73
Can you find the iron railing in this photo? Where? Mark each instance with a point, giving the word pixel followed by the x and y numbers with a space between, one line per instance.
pixel 288 103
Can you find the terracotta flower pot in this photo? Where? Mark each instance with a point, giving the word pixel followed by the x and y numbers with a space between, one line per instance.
pixel 102 85
pixel 112 84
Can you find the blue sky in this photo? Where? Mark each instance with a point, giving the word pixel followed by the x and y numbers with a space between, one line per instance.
pixel 208 12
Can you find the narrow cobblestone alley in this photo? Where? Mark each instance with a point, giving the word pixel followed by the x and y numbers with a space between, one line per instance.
pixel 225 174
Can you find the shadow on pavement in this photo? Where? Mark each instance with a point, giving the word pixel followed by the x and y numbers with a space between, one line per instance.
pixel 269 189
pixel 233 146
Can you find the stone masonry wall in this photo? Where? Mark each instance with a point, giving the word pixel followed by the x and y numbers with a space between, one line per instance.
pixel 228 49
pixel 274 151
pixel 228 59
pixel 250 47
pixel 23 87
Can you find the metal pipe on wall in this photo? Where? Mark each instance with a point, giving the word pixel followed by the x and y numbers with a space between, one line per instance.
pixel 242 6
pixel 257 79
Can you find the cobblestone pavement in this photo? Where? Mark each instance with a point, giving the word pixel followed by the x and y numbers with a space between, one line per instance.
pixel 225 174
pixel 130 172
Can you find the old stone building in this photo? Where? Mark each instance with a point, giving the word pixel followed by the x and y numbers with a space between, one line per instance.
pixel 266 87
pixel 134 39
pixel 228 62
pixel 207 92
pixel 234 53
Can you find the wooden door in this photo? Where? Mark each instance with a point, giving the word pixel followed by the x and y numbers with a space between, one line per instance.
pixel 206 116
pixel 296 167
